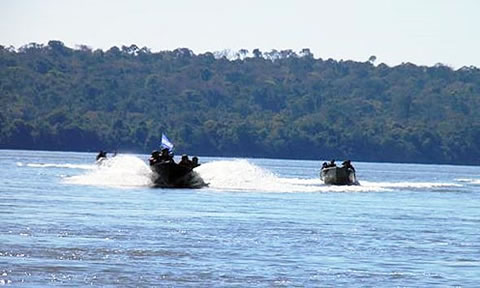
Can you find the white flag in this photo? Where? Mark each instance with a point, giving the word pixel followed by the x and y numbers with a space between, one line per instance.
pixel 166 143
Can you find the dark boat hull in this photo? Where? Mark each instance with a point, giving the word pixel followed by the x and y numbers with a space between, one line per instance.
pixel 172 175
pixel 338 176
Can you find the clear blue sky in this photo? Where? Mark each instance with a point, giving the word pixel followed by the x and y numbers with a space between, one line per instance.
pixel 424 32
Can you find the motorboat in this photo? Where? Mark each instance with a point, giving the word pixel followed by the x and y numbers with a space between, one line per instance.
pixel 338 176
pixel 168 174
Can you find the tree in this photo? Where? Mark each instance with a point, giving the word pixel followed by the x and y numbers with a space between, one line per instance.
pixel 257 53
pixel 275 104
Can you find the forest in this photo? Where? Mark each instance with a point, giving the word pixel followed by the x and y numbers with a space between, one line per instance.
pixel 275 104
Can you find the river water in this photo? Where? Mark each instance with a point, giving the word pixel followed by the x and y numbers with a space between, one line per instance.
pixel 65 221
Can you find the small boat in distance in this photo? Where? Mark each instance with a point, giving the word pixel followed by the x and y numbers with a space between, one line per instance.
pixel 333 175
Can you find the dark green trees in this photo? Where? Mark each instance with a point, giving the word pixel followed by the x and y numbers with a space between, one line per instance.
pixel 275 104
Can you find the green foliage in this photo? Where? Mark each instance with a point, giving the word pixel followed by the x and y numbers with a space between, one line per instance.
pixel 272 104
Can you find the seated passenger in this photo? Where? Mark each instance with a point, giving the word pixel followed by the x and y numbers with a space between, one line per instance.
pixel 155 157
pixel 165 156
pixel 348 164
pixel 332 164
pixel 324 165
pixel 185 161
pixel 195 162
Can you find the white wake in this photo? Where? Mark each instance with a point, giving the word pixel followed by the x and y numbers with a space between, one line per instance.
pixel 56 165
pixel 122 171
pixel 241 175
pixel 125 171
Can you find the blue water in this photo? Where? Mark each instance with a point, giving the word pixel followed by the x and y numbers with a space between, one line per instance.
pixel 65 221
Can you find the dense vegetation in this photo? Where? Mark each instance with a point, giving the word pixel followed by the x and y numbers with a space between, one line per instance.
pixel 276 104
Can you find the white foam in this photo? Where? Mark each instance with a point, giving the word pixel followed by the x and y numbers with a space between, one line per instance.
pixel 227 175
pixel 241 175
pixel 66 165
pixel 235 174
pixel 123 171
pixel 415 185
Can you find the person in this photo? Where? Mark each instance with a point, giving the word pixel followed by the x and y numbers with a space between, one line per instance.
pixel 185 161
pixel 324 165
pixel 195 162
pixel 101 154
pixel 165 156
pixel 155 157
pixel 332 164
pixel 348 164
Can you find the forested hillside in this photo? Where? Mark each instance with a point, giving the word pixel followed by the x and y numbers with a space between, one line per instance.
pixel 270 104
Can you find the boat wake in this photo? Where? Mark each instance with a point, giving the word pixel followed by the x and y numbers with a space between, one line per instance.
pixel 54 165
pixel 123 171
pixel 128 171
pixel 241 175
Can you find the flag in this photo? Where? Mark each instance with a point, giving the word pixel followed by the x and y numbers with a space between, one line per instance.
pixel 166 143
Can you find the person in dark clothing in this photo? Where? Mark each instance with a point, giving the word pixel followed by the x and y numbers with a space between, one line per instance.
pixel 101 154
pixel 155 157
pixel 348 164
pixel 332 164
pixel 166 156
pixel 195 162
pixel 185 161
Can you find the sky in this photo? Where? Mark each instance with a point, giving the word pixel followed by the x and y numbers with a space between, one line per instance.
pixel 423 32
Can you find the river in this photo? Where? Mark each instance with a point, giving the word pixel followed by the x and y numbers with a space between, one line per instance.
pixel 65 221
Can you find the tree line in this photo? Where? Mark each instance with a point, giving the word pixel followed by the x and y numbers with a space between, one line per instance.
pixel 281 104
